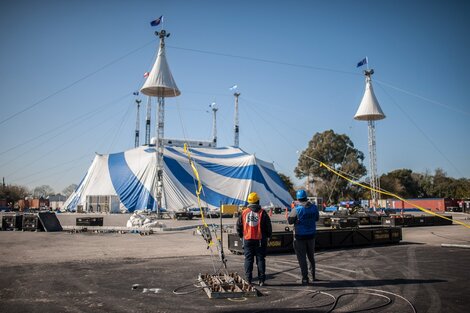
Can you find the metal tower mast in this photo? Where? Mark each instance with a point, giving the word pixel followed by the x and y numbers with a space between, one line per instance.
pixel 160 124
pixel 374 179
pixel 214 123
pixel 160 127
pixel 137 124
pixel 147 121
pixel 236 141
pixel 160 84
pixel 369 110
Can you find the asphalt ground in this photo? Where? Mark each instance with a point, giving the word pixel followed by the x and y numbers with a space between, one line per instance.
pixel 96 272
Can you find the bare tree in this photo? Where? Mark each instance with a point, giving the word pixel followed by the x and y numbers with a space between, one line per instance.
pixel 67 191
pixel 43 191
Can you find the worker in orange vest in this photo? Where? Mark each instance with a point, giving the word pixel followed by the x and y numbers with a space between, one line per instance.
pixel 254 227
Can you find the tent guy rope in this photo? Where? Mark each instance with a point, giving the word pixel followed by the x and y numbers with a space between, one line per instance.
pixel 384 192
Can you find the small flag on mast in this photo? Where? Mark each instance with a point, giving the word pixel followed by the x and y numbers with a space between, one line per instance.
pixel 135 93
pixel 362 62
pixel 157 22
pixel 233 87
pixel 146 74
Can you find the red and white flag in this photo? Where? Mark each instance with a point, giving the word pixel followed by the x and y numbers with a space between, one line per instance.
pixel 146 74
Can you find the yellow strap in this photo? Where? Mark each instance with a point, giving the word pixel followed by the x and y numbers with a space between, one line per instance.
pixel 392 195
pixel 199 184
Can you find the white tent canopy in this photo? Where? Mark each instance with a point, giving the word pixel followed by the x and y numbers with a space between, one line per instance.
pixel 369 109
pixel 160 82
pixel 227 174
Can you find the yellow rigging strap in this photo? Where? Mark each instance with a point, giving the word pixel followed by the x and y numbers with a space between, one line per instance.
pixel 199 184
pixel 205 230
pixel 388 194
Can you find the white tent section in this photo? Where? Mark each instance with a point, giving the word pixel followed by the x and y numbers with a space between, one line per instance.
pixel 128 175
pixel 228 175
pixel 369 109
pixel 160 82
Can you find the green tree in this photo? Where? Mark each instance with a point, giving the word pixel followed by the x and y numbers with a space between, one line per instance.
pixel 288 184
pixel 461 188
pixel 337 151
pixel 407 184
pixel 442 185
pixel 424 181
pixel 401 182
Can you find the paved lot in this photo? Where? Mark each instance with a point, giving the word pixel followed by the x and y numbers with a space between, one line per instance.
pixel 89 272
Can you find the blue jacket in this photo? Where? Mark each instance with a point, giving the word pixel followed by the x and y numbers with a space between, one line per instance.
pixel 304 217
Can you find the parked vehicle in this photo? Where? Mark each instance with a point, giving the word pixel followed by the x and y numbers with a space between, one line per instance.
pixel 197 211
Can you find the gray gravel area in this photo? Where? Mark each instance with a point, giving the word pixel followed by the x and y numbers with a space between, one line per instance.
pixel 94 272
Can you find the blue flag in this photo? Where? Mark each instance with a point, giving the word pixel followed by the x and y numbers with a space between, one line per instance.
pixel 157 21
pixel 363 61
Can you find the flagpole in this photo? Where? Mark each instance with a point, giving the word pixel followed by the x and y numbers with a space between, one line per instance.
pixel 367 62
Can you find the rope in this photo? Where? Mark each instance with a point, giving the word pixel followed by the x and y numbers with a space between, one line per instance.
pixel 336 180
pixel 75 82
pixel 199 184
pixel 435 146
pixel 387 193
pixel 205 230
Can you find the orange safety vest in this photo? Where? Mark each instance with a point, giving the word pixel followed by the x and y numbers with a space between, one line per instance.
pixel 252 224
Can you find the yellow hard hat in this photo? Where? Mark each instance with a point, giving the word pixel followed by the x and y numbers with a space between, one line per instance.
pixel 253 197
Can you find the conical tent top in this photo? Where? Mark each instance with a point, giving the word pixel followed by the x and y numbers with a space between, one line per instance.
pixel 160 82
pixel 369 109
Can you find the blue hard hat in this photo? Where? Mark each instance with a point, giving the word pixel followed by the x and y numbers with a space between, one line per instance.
pixel 301 194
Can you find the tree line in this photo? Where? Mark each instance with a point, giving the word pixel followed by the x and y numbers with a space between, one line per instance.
pixel 13 193
pixel 338 151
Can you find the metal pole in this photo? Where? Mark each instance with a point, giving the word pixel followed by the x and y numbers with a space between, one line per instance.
pixel 137 124
pixel 236 141
pixel 160 136
pixel 214 123
pixel 147 122
pixel 222 255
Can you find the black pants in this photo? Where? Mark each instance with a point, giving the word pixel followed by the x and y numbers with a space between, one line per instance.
pixel 252 249
pixel 305 249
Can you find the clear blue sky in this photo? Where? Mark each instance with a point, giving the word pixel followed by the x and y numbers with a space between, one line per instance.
pixel 73 65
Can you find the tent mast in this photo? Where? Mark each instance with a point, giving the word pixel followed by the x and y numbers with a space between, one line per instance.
pixel 236 142
pixel 160 84
pixel 214 123
pixel 137 124
pixel 369 110
pixel 147 121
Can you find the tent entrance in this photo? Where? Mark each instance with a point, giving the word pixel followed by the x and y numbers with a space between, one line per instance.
pixel 102 204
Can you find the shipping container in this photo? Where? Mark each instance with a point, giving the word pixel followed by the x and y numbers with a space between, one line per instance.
pixel 23 204
pixel 431 204
pixel 39 203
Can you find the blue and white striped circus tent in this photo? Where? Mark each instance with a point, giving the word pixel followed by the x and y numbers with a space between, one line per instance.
pixel 126 181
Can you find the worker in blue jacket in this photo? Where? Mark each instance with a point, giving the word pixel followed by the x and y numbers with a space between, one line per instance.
pixel 304 216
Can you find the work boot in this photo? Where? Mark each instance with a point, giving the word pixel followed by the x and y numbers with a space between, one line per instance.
pixel 262 283
pixel 304 282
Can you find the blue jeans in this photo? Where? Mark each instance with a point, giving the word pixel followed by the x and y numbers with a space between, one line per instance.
pixel 252 249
